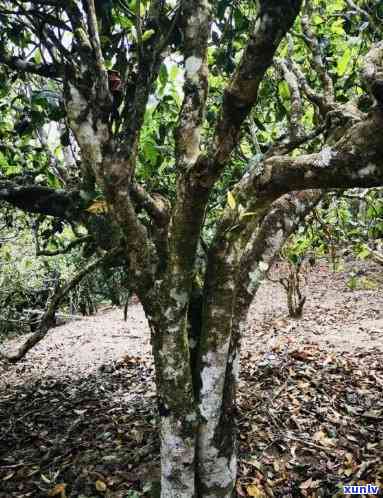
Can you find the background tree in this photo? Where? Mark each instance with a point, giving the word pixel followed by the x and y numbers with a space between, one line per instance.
pixel 155 180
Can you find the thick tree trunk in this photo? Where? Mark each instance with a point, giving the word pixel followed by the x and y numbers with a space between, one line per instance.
pixel 175 398
pixel 217 458
pixel 198 448
pixel 217 440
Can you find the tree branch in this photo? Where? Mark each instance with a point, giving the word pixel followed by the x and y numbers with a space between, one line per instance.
pixel 185 230
pixel 319 100
pixel 364 13
pixel 273 22
pixel 156 206
pixel 43 200
pixel 281 221
pixel 356 160
pixel 296 114
pixel 94 35
pixel 201 172
pixel 24 66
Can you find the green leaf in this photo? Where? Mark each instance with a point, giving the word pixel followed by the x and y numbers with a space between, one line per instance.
pixel 344 62
pixel 163 74
pixel 337 27
pixel 52 180
pixel 317 19
pixel 284 90
pixel 174 70
pixel 150 152
pixel 37 57
pixel 147 35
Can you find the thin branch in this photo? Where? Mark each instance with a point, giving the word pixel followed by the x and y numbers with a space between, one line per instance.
pixel 296 114
pixel 316 98
pixel 283 146
pixel 317 60
pixel 139 30
pixel 165 41
pixel 365 14
pixel 94 34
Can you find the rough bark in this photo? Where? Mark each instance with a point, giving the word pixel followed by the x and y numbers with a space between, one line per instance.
pixel 43 200
pixel 177 405
pixel 233 277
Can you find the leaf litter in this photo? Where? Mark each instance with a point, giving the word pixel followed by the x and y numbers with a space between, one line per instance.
pixel 81 423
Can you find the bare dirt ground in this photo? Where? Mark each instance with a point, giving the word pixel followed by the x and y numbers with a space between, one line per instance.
pixel 77 415
pixel 335 317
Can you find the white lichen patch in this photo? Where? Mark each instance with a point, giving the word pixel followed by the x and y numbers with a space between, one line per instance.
pixel 220 475
pixel 77 104
pixel 89 133
pixel 255 278
pixel 215 471
pixel 180 297
pixel 212 379
pixel 192 65
pixel 309 174
pixel 288 222
pixel 192 139
pixel 235 366
pixel 369 70
pixel 191 417
pixel 173 444
pixel 324 158
pixel 168 313
pixel 263 266
pixel 176 453
pixel 367 170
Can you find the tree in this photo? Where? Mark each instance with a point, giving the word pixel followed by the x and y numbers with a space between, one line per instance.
pixel 105 60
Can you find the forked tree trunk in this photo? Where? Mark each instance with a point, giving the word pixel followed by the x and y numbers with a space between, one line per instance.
pixel 197 391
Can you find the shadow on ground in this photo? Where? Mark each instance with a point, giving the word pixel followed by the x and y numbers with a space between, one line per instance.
pixel 93 432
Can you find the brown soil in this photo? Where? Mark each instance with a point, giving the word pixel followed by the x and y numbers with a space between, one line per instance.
pixel 335 317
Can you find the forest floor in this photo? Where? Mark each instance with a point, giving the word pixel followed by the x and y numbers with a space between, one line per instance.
pixel 78 416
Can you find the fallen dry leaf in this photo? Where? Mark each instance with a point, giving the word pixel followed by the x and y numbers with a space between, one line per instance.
pixel 59 489
pixel 100 486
